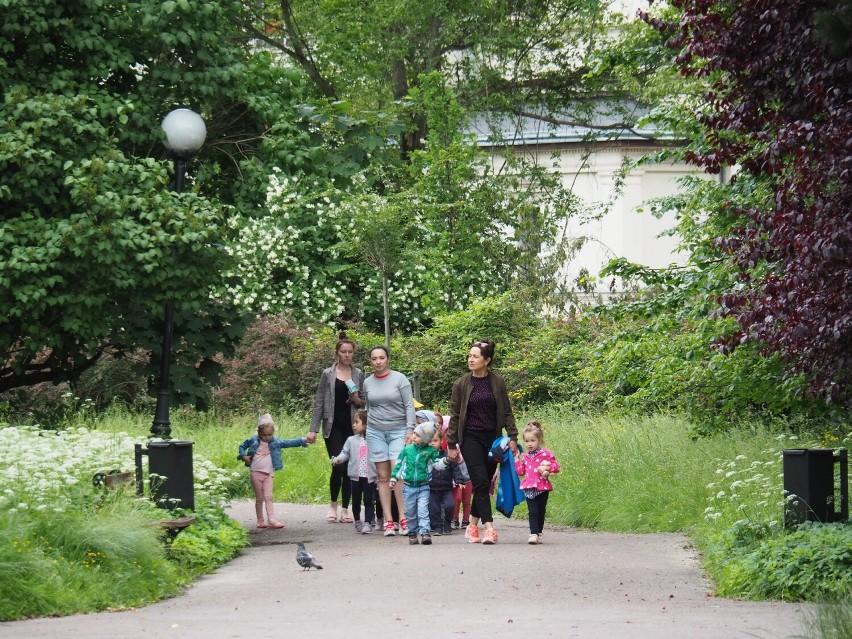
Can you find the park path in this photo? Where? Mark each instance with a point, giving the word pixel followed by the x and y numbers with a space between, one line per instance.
pixel 577 584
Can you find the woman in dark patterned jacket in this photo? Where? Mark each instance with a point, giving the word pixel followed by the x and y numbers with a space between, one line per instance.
pixel 479 413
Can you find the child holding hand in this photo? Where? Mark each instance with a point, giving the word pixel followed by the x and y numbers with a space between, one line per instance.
pixel 361 472
pixel 535 465
pixel 414 467
pixel 262 454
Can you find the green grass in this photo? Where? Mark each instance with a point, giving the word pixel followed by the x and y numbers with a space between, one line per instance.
pixel 619 473
pixel 67 546
pixel 103 554
pixel 217 438
pixel 832 619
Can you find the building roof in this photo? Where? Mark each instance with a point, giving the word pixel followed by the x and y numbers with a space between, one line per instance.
pixel 536 128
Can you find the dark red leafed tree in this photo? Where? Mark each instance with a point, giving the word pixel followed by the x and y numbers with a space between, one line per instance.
pixel 781 108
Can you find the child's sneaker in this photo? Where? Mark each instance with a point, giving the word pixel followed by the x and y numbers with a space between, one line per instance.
pixel 533 540
pixel 403 526
pixel 389 531
pixel 471 533
pixel 413 541
pixel 426 539
pixel 490 537
pixel 359 526
pixel 456 524
pixel 366 529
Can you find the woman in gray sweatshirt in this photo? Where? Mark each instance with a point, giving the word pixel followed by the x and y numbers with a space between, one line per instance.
pixel 389 401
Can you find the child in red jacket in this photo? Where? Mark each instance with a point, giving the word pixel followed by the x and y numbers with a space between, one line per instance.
pixel 536 465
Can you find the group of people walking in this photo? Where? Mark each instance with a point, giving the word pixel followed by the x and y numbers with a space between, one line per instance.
pixel 423 466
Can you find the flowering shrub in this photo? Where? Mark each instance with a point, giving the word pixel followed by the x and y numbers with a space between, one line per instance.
pixel 45 470
pixel 749 552
pixel 292 259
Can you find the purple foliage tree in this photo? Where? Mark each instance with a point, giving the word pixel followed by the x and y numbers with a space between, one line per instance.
pixel 780 102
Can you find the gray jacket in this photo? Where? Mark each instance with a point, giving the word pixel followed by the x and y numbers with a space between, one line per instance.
pixel 323 410
pixel 349 453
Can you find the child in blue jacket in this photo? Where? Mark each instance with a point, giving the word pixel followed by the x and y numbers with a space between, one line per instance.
pixel 262 454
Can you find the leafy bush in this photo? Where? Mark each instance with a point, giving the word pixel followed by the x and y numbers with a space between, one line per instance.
pixel 758 561
pixel 212 540
pixel 278 364
pixel 439 354
pixel 616 358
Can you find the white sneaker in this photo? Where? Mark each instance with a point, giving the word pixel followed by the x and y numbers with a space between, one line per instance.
pixel 366 529
pixel 533 540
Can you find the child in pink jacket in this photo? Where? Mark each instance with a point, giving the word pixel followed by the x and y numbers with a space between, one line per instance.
pixel 536 465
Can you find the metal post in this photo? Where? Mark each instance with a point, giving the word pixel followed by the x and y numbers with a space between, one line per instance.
pixel 162 426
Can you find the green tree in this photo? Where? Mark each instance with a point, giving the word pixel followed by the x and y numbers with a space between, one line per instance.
pixel 383 236
pixel 92 239
pixel 533 58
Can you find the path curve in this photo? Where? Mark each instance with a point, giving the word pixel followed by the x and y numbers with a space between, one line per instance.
pixel 577 584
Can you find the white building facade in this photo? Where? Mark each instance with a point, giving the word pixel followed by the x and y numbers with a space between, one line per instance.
pixel 615 224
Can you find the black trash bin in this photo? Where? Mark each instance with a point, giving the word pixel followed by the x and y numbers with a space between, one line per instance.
pixel 809 478
pixel 173 486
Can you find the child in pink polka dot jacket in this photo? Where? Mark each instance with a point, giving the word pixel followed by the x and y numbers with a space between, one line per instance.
pixel 536 465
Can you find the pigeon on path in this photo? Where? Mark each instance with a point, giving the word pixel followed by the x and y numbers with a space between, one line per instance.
pixel 305 559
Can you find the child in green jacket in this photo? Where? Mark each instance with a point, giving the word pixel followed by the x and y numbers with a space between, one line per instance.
pixel 414 467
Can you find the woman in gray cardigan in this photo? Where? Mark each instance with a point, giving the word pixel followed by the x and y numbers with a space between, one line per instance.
pixel 338 398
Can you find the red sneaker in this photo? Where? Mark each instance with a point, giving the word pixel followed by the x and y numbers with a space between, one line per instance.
pixel 490 537
pixel 472 534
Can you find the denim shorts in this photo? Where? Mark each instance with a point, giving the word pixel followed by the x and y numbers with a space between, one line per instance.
pixel 385 445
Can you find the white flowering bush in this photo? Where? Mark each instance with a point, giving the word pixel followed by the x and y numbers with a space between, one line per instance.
pixel 294 259
pixel 747 488
pixel 77 547
pixel 296 256
pixel 43 470
pixel 287 258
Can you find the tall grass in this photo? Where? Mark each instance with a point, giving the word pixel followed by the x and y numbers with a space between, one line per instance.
pixel 635 473
pixel 217 437
pixel 103 553
pixel 619 473
pixel 832 619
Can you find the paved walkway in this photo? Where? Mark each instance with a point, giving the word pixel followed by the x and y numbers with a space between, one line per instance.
pixel 577 584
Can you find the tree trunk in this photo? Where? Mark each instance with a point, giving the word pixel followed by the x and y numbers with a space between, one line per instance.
pixel 386 308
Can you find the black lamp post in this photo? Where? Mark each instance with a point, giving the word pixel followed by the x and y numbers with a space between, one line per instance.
pixel 185 134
